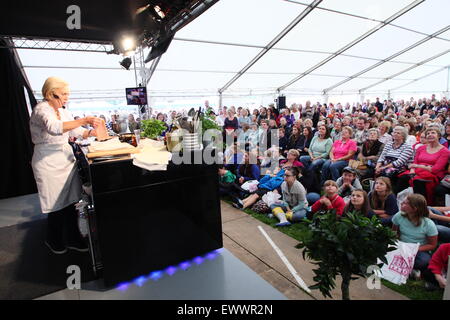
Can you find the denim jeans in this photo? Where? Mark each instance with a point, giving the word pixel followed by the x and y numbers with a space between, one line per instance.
pixel 312 197
pixel 297 215
pixel 315 165
pixel 332 170
pixel 442 227
pixel 422 260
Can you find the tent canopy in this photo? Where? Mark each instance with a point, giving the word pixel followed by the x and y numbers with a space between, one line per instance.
pixel 271 47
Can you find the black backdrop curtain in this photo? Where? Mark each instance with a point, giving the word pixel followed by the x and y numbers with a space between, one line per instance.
pixel 16 175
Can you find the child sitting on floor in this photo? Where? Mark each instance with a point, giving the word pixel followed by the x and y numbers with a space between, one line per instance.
pixel 331 200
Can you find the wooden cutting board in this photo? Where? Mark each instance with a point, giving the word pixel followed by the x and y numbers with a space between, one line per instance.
pixel 117 152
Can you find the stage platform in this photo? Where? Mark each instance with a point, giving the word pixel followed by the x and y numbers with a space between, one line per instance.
pixel 219 277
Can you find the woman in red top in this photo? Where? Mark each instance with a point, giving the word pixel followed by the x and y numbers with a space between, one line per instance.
pixel 430 163
pixel 292 160
pixel 331 200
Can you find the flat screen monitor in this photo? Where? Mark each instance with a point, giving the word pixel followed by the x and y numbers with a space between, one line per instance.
pixel 136 96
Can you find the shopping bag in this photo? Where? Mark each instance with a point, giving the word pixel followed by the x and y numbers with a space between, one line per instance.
pixel 400 262
pixel 271 197
pixel 250 186
pixel 403 194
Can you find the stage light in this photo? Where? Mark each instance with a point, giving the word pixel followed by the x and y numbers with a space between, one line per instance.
pixel 159 11
pixel 126 63
pixel 128 45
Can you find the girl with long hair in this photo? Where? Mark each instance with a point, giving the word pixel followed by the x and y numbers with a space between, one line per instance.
pixel 383 201
pixel 413 226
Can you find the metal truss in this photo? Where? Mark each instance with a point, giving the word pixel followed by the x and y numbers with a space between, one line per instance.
pixel 59 45
pixel 406 70
pixel 356 75
pixel 272 43
pixel 353 43
pixel 423 77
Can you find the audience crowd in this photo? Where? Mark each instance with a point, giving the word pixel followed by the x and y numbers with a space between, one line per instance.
pixel 386 159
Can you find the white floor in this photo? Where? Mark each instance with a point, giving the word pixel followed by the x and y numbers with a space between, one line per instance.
pixel 222 278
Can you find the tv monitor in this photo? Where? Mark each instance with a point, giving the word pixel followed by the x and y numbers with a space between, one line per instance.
pixel 136 96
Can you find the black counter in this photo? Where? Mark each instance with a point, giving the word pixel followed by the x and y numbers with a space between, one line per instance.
pixel 150 220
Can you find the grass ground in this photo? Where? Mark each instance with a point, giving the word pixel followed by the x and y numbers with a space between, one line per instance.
pixel 414 290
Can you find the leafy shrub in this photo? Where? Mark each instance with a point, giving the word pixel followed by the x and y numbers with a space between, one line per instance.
pixel 343 246
pixel 152 128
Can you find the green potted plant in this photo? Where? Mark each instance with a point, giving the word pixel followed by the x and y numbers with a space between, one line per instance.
pixel 152 128
pixel 344 246
pixel 207 123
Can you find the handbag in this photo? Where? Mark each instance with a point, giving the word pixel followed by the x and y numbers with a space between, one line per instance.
pixel 446 181
pixel 357 164
pixel 261 207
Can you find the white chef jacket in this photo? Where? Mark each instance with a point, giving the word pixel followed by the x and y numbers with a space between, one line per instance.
pixel 53 162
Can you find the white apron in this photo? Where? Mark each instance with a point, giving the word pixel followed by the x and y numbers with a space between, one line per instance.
pixel 55 171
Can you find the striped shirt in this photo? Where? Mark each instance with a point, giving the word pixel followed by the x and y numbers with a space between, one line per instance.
pixel 403 154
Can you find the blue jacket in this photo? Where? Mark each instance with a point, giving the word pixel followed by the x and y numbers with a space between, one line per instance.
pixel 271 183
pixel 255 172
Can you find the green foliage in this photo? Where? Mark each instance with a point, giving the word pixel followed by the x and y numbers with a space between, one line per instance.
pixel 152 128
pixel 343 246
pixel 208 123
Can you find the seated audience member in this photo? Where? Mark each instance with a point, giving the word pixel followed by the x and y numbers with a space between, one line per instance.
pixel 230 127
pixel 248 170
pixel 441 217
pixel 414 226
pixel 265 136
pixel 370 153
pixel 291 160
pixel 319 150
pixel 445 140
pixel 244 118
pixel 305 141
pixel 266 184
pixel 443 188
pixel 286 114
pixel 359 203
pixel 430 164
pixel 243 137
pixel 411 127
pixel 342 151
pixel 384 128
pixel 253 136
pixel 336 133
pixel 293 205
pixel 309 180
pixel 285 126
pixel 395 157
pixel 361 132
pixel 293 140
pixel 233 157
pixel 422 141
pixel 382 201
pixel 226 178
pixel 436 274
pixel 331 200
pixel 347 183
pixel 282 141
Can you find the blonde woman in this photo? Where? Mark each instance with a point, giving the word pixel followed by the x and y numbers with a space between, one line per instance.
pixel 384 128
pixel 54 164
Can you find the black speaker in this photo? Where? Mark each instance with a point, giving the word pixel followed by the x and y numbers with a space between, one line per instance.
pixel 281 102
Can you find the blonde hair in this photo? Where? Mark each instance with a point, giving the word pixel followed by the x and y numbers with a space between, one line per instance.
pixel 385 124
pixel 51 84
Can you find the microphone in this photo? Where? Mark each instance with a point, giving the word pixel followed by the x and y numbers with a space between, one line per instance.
pixel 57 97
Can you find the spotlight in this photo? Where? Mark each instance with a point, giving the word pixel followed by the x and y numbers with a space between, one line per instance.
pixel 128 45
pixel 126 63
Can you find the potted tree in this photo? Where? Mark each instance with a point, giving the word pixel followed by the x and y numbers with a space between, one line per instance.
pixel 344 246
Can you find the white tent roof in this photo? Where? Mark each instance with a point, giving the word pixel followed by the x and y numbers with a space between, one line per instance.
pixel 266 47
